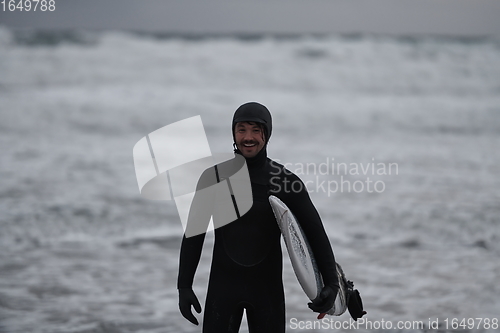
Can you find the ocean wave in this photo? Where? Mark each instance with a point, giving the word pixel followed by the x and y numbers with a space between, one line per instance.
pixel 54 37
pixel 39 37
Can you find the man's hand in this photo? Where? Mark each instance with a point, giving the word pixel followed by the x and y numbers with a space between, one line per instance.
pixel 325 300
pixel 187 298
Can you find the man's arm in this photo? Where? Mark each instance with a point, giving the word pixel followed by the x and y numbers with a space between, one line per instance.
pixel 192 244
pixel 189 259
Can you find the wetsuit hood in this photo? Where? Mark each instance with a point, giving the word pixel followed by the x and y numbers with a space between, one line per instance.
pixel 256 112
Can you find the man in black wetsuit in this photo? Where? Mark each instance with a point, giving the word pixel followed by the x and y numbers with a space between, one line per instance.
pixel 246 271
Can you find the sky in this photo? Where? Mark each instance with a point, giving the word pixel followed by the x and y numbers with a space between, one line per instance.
pixel 444 17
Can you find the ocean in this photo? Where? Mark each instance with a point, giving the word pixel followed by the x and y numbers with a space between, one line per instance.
pixel 396 138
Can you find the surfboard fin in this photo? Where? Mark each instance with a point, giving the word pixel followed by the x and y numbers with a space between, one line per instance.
pixel 354 302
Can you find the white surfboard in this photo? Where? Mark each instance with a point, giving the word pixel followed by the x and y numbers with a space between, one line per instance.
pixel 302 258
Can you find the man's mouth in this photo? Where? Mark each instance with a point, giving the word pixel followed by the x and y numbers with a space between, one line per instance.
pixel 249 144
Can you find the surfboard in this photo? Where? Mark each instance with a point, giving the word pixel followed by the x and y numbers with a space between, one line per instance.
pixel 302 258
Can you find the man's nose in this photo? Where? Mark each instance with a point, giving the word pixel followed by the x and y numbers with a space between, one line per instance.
pixel 248 136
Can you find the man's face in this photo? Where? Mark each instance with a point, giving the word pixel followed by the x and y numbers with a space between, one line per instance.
pixel 249 138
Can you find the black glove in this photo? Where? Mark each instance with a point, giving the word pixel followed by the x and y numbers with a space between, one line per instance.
pixel 325 300
pixel 187 298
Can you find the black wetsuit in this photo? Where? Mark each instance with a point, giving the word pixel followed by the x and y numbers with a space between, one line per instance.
pixel 246 271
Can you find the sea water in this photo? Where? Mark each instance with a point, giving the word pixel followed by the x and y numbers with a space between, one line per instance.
pixel 395 137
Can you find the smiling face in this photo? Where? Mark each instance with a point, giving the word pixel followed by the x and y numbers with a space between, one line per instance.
pixel 249 138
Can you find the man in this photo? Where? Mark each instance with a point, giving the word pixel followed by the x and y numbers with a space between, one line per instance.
pixel 246 271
